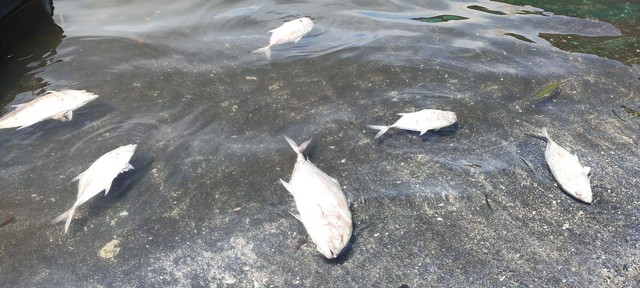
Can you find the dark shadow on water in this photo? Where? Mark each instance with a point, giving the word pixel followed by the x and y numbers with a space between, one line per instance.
pixel 127 180
pixel 28 41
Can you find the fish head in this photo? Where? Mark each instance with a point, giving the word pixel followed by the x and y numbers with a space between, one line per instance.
pixel 451 117
pixel 581 190
pixel 332 236
pixel 80 96
pixel 124 153
pixel 307 23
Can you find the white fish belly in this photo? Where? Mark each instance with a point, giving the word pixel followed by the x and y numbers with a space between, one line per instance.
pixel 314 187
pixel 289 32
pixel 425 120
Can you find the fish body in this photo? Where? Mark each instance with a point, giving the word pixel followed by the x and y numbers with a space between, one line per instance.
pixel 421 121
pixel 57 105
pixel 290 31
pixel 98 177
pixel 322 205
pixel 572 177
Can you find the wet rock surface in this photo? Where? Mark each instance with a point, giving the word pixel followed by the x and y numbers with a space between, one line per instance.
pixel 474 204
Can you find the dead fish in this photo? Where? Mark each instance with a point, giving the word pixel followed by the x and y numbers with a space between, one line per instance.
pixel 322 205
pixel 98 177
pixel 290 31
pixel 57 105
pixel 572 177
pixel 422 121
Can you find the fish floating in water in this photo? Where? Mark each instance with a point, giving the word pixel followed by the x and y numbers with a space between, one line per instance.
pixel 98 177
pixel 290 31
pixel 322 205
pixel 57 105
pixel 572 177
pixel 422 121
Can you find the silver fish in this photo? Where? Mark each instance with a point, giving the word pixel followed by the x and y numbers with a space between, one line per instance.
pixel 572 177
pixel 57 105
pixel 422 121
pixel 290 31
pixel 322 205
pixel 98 177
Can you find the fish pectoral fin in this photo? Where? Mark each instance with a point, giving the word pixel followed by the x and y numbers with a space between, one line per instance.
pixel 334 180
pixel 287 186
pixel 587 170
pixel 17 106
pixel 296 41
pixel 66 116
pixel 422 132
pixel 127 168
pixel 297 216
pixel 78 177
pixel 106 189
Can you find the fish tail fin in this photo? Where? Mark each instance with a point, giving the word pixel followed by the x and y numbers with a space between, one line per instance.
pixel 266 50
pixel 299 149
pixel 66 215
pixel 541 134
pixel 383 129
pixel 544 132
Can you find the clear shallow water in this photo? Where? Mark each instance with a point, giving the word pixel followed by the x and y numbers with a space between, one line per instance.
pixel 179 80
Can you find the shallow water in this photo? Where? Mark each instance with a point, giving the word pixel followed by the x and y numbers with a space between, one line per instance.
pixel 204 206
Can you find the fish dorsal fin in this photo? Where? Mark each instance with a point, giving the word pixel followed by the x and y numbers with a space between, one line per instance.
pixel 575 157
pixel 297 216
pixel 422 132
pixel 78 177
pixel 288 187
pixel 334 180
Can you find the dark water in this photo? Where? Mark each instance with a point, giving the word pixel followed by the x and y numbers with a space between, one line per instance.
pixel 470 205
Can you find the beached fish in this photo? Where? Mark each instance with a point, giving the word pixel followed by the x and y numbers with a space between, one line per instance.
pixel 572 177
pixel 422 121
pixel 98 177
pixel 290 31
pixel 322 205
pixel 58 105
